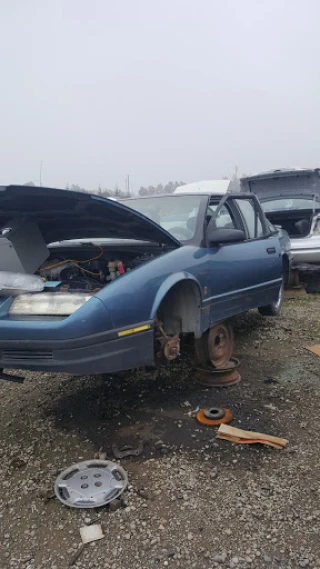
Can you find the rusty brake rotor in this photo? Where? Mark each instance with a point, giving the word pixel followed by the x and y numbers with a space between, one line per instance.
pixel 214 416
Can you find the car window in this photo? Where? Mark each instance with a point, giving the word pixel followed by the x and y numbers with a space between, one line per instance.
pixel 223 219
pixel 176 214
pixel 289 203
pixel 251 217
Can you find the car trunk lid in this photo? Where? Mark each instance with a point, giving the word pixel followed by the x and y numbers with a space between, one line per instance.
pixel 283 183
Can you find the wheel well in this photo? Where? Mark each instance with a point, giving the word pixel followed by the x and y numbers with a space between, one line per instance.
pixel 180 309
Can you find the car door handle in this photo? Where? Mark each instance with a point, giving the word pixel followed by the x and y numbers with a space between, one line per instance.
pixel 271 250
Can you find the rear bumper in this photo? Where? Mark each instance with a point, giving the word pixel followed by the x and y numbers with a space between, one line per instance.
pixel 102 353
pixel 311 256
pixel 306 250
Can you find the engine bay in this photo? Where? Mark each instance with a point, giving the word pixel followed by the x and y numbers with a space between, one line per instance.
pixel 72 273
pixel 89 267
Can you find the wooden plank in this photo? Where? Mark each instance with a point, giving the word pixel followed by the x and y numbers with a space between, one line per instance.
pixel 313 349
pixel 249 437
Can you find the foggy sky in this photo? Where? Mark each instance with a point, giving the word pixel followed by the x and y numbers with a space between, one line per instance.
pixel 160 89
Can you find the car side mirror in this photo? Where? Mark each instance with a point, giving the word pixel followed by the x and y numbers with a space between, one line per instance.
pixel 223 236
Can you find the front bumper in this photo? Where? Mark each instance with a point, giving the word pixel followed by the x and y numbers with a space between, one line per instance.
pixel 107 352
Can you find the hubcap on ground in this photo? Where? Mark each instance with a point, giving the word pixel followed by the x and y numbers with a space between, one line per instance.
pixel 90 484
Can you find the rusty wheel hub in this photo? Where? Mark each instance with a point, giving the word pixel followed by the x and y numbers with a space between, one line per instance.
pixel 215 347
pixel 171 348
pixel 170 345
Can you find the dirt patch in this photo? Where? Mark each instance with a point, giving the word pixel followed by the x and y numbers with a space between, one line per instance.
pixel 192 500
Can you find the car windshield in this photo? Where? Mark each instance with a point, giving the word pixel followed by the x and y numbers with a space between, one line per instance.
pixel 176 214
pixel 290 204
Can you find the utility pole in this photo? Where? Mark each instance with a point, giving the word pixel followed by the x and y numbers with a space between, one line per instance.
pixel 41 173
pixel 128 184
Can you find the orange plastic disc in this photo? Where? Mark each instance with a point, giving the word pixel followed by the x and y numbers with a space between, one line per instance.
pixel 227 418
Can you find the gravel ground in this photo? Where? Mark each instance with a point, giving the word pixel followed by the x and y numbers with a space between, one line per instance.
pixel 193 501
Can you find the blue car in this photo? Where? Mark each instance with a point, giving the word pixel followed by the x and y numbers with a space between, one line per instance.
pixel 90 285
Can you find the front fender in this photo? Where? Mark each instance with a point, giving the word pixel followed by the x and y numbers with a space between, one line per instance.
pixel 171 281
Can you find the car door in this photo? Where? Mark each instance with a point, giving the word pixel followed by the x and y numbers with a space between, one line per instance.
pixel 245 274
pixel 263 251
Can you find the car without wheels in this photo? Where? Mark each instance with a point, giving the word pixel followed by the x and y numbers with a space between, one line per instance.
pixel 91 285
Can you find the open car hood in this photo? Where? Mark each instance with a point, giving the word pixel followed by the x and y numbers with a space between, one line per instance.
pixel 64 214
pixel 283 184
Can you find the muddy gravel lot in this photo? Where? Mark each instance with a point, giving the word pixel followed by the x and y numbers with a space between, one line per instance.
pixel 193 500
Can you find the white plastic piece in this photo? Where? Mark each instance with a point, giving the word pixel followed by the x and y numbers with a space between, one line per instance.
pixel 13 284
pixel 91 533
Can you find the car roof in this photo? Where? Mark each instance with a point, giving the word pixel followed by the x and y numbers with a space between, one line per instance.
pixel 188 194
pixel 173 195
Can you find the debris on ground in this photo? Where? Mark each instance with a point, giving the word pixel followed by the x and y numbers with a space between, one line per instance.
pixel 214 416
pixel 314 349
pixel 76 555
pixel 91 533
pixel 185 404
pixel 193 413
pixel 242 506
pixel 127 450
pixel 115 505
pixel 235 435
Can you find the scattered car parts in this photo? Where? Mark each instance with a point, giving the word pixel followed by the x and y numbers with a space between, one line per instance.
pixel 216 346
pixel 219 377
pixel 170 345
pixel 127 451
pixel 214 416
pixel 90 484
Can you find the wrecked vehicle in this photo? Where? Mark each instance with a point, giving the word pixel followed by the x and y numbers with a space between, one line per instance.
pixel 291 199
pixel 91 285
